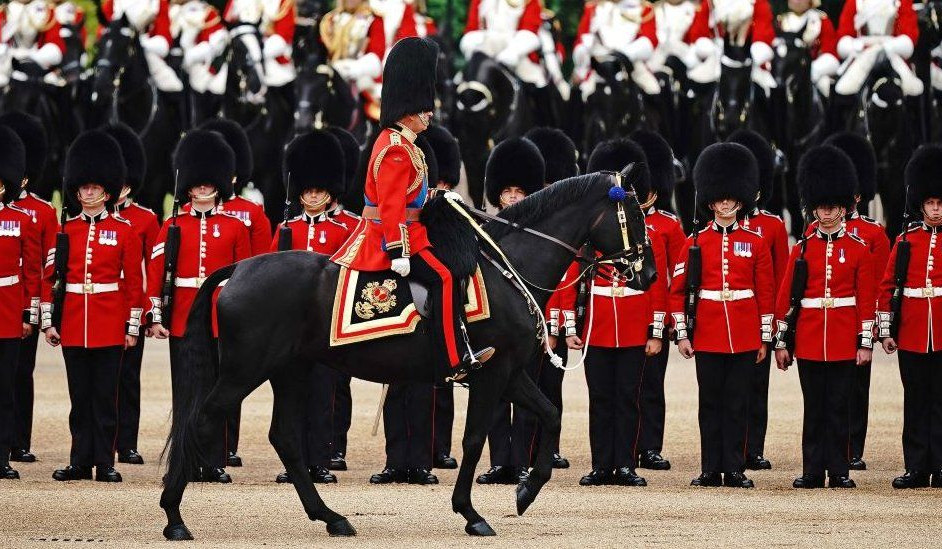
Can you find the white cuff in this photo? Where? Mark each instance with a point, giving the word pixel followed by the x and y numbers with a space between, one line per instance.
pixel 553 322
pixel 275 46
pixel 45 321
pixel 156 45
pixel 34 311
pixel 848 46
pixel 884 320
pixel 569 323
pixel 900 45
pixel 866 334
pixel 680 325
pixel 134 322
pixel 155 312
pixel 781 328
pixel 657 327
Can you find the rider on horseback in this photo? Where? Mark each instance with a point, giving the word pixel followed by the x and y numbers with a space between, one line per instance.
pixel 31 36
pixel 741 22
pixel 817 32
pixel 390 234
pixel 197 27
pixel 151 19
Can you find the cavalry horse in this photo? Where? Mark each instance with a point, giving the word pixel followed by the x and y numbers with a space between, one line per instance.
pixel 120 89
pixel 615 108
pixel 322 98
pixel 275 319
pixel 930 36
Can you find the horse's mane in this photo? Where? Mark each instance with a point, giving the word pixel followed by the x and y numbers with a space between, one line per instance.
pixel 548 200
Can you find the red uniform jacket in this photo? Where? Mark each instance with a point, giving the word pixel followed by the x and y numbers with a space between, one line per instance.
pixel 906 22
pixel 208 242
pixel 623 317
pixel 837 312
pixel 395 191
pixel 762 28
pixel 379 43
pixel 253 215
pixel 96 312
pixel 560 311
pixel 324 233
pixel 920 328
pixel 667 226
pixel 20 270
pixel 734 314
pixel 871 232
pixel 647 29
pixel 159 27
pixel 144 222
pixel 530 20
pixel 51 34
pixel 772 229
pixel 47 223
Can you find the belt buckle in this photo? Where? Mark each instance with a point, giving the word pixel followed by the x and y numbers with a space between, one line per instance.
pixel 618 291
pixel 199 281
pixel 827 302
pixel 88 288
pixel 726 295
pixel 928 291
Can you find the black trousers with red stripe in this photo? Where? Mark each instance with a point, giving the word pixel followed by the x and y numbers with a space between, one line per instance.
pixel 129 398
pixel 443 417
pixel 826 388
pixel 921 374
pixel 407 424
pixel 93 389
pixel 9 351
pixel 614 379
pixel 653 406
pixel 23 392
pixel 724 381
pixel 447 305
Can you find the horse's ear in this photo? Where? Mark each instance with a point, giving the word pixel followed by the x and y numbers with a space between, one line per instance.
pixel 801 31
pixel 631 173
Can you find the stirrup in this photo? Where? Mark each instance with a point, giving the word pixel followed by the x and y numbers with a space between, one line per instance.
pixel 475 362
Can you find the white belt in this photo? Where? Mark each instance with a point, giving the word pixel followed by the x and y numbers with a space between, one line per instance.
pixel 828 302
pixel 917 292
pixel 194 282
pixel 726 295
pixel 619 291
pixel 91 288
pixel 9 280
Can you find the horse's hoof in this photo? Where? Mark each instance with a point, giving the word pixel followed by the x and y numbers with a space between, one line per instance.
pixel 480 528
pixel 177 532
pixel 341 527
pixel 525 496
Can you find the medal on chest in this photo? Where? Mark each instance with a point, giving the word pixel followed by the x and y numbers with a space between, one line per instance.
pixel 9 228
pixel 841 258
pixel 108 238
pixel 742 249
pixel 215 230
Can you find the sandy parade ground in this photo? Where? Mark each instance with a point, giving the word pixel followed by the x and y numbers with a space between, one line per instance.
pixel 255 512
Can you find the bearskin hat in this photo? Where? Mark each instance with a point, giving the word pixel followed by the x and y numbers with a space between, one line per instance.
pixel 132 149
pixel 447 155
pixel 559 153
pixel 408 80
pixel 238 141
pixel 315 160
pixel 95 157
pixel 861 153
pixel 431 161
pixel 12 164
pixel 660 160
pixel 614 155
pixel 726 170
pixel 765 159
pixel 826 177
pixel 204 158
pixel 924 175
pixel 515 162
pixel 33 135
pixel 351 153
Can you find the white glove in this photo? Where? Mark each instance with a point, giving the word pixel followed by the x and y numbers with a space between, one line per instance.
pixel 198 54
pixel 156 45
pixel 401 266
pixel 509 57
pixel 275 46
pixel 899 45
pixel 761 53
pixel 848 46
pixel 638 50
pixel 825 65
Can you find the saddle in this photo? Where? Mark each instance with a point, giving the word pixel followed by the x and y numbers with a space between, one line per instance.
pixel 372 305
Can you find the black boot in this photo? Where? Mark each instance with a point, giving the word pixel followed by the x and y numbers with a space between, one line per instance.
pixel 321 475
pixel 651 459
pixel 130 456
pixel 626 476
pixel 389 475
pixel 22 455
pixel 911 479
pixel 444 461
pixel 8 473
pixel 213 474
pixel 559 462
pixel 809 480
pixel 338 463
pixel 422 476
pixel 283 478
pixel 757 463
pixel 233 460
pixel 737 480
pixel 499 474
pixel 596 477
pixel 106 473
pixel 936 480
pixel 708 480
pixel 841 482
pixel 857 464
pixel 468 364
pixel 72 472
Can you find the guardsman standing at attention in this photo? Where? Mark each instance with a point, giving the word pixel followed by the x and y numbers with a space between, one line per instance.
pixel 624 327
pixel 652 406
pixel 209 240
pixel 146 226
pixel 772 230
pixel 910 320
pixel 31 132
pixel 314 163
pixel 19 285
pixel 101 312
pixel 721 302
pixel 825 315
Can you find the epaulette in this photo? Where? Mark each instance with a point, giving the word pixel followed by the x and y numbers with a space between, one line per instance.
pixel 870 220
pixel 120 219
pixel 145 208
pixel 857 238
pixel 913 225
pixel 770 214
pixel 16 208
pixel 750 231
pixel 295 218
pixel 46 202
pixel 667 214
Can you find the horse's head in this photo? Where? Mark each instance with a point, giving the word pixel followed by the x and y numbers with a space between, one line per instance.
pixel 119 44
pixel 245 90
pixel 620 233
pixel 323 98
pixel 792 59
pixel 614 68
pixel 485 97
pixel 733 94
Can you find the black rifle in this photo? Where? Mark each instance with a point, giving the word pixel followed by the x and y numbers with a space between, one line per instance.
pixel 171 254
pixel 61 264
pixel 694 276
pixel 284 234
pixel 900 269
pixel 796 293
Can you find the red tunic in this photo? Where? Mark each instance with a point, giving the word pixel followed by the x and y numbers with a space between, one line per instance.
pixel 737 261
pixel 96 313
pixel 772 229
pixel 253 215
pixel 379 44
pixel 47 222
pixel 208 242
pixel 871 232
pixel 667 226
pixel 160 26
pixel 920 327
pixel 647 29
pixel 323 234
pixel 20 270
pixel 395 191
pixel 839 269
pixel 144 222
pixel 761 29
pixel 906 22
pixel 530 20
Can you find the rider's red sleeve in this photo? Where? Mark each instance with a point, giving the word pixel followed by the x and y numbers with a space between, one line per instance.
pixel 906 22
pixel 827 38
pixel 53 35
pixel 474 17
pixel 700 27
pixel 762 29
pixel 161 24
pixel 845 26
pixel 648 26
pixel 532 18
pixel 284 27
pixel 585 23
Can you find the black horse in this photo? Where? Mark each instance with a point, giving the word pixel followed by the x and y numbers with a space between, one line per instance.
pixel 491 106
pixel 274 323
pixel 616 108
pixel 322 98
pixel 735 100
pixel 930 36
pixel 798 117
pixel 120 88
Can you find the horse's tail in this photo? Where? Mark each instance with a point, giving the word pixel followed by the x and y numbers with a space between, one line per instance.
pixel 199 370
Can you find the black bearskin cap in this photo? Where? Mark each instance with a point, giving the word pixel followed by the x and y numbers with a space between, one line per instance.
pixel 351 153
pixel 431 161
pixel 559 153
pixel 238 141
pixel 660 160
pixel 204 158
pixel 447 155
pixel 826 177
pixel 515 162
pixel 614 155
pixel 408 80
pixel 33 135
pixel 726 170
pixel 135 159
pixel 924 175
pixel 12 164
pixel 95 157
pixel 315 160
pixel 765 159
pixel 861 153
